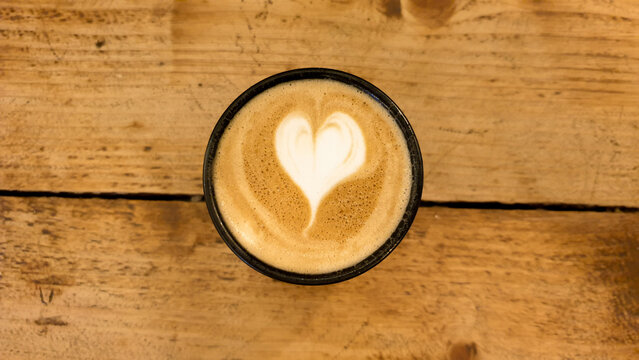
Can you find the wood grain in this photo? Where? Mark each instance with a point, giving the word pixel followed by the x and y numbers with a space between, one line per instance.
pixel 88 278
pixel 514 101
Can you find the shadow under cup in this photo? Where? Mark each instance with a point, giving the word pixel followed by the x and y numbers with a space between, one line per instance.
pixel 374 258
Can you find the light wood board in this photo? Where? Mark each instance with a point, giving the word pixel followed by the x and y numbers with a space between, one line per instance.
pixel 513 101
pixel 124 279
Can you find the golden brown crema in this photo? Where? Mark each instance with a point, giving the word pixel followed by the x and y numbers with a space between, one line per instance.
pixel 312 176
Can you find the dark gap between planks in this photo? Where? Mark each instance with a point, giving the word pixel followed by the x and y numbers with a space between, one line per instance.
pixel 489 205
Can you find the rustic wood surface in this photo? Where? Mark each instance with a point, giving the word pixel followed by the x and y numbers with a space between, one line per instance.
pixel 92 279
pixel 513 101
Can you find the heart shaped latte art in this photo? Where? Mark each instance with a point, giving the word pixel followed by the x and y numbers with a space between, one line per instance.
pixel 318 163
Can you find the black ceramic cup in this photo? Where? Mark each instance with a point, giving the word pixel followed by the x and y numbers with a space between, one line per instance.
pixel 374 258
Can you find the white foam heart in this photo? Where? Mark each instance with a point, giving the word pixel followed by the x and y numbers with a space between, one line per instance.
pixel 317 164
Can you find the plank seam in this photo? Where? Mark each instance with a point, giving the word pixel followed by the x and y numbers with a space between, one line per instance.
pixel 480 205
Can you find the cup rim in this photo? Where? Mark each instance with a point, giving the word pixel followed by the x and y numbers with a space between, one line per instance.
pixel 374 258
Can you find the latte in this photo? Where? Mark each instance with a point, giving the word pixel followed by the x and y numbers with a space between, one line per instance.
pixel 312 176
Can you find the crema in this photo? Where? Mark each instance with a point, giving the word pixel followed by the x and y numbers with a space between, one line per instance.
pixel 312 176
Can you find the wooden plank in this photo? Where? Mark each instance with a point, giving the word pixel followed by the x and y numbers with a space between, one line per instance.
pixel 513 101
pixel 88 278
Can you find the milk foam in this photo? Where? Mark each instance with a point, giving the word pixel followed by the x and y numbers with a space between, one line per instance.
pixel 318 163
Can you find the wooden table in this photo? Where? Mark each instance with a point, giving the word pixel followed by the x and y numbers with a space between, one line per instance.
pixel 527 246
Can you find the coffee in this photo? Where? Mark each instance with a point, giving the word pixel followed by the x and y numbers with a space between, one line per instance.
pixel 312 176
